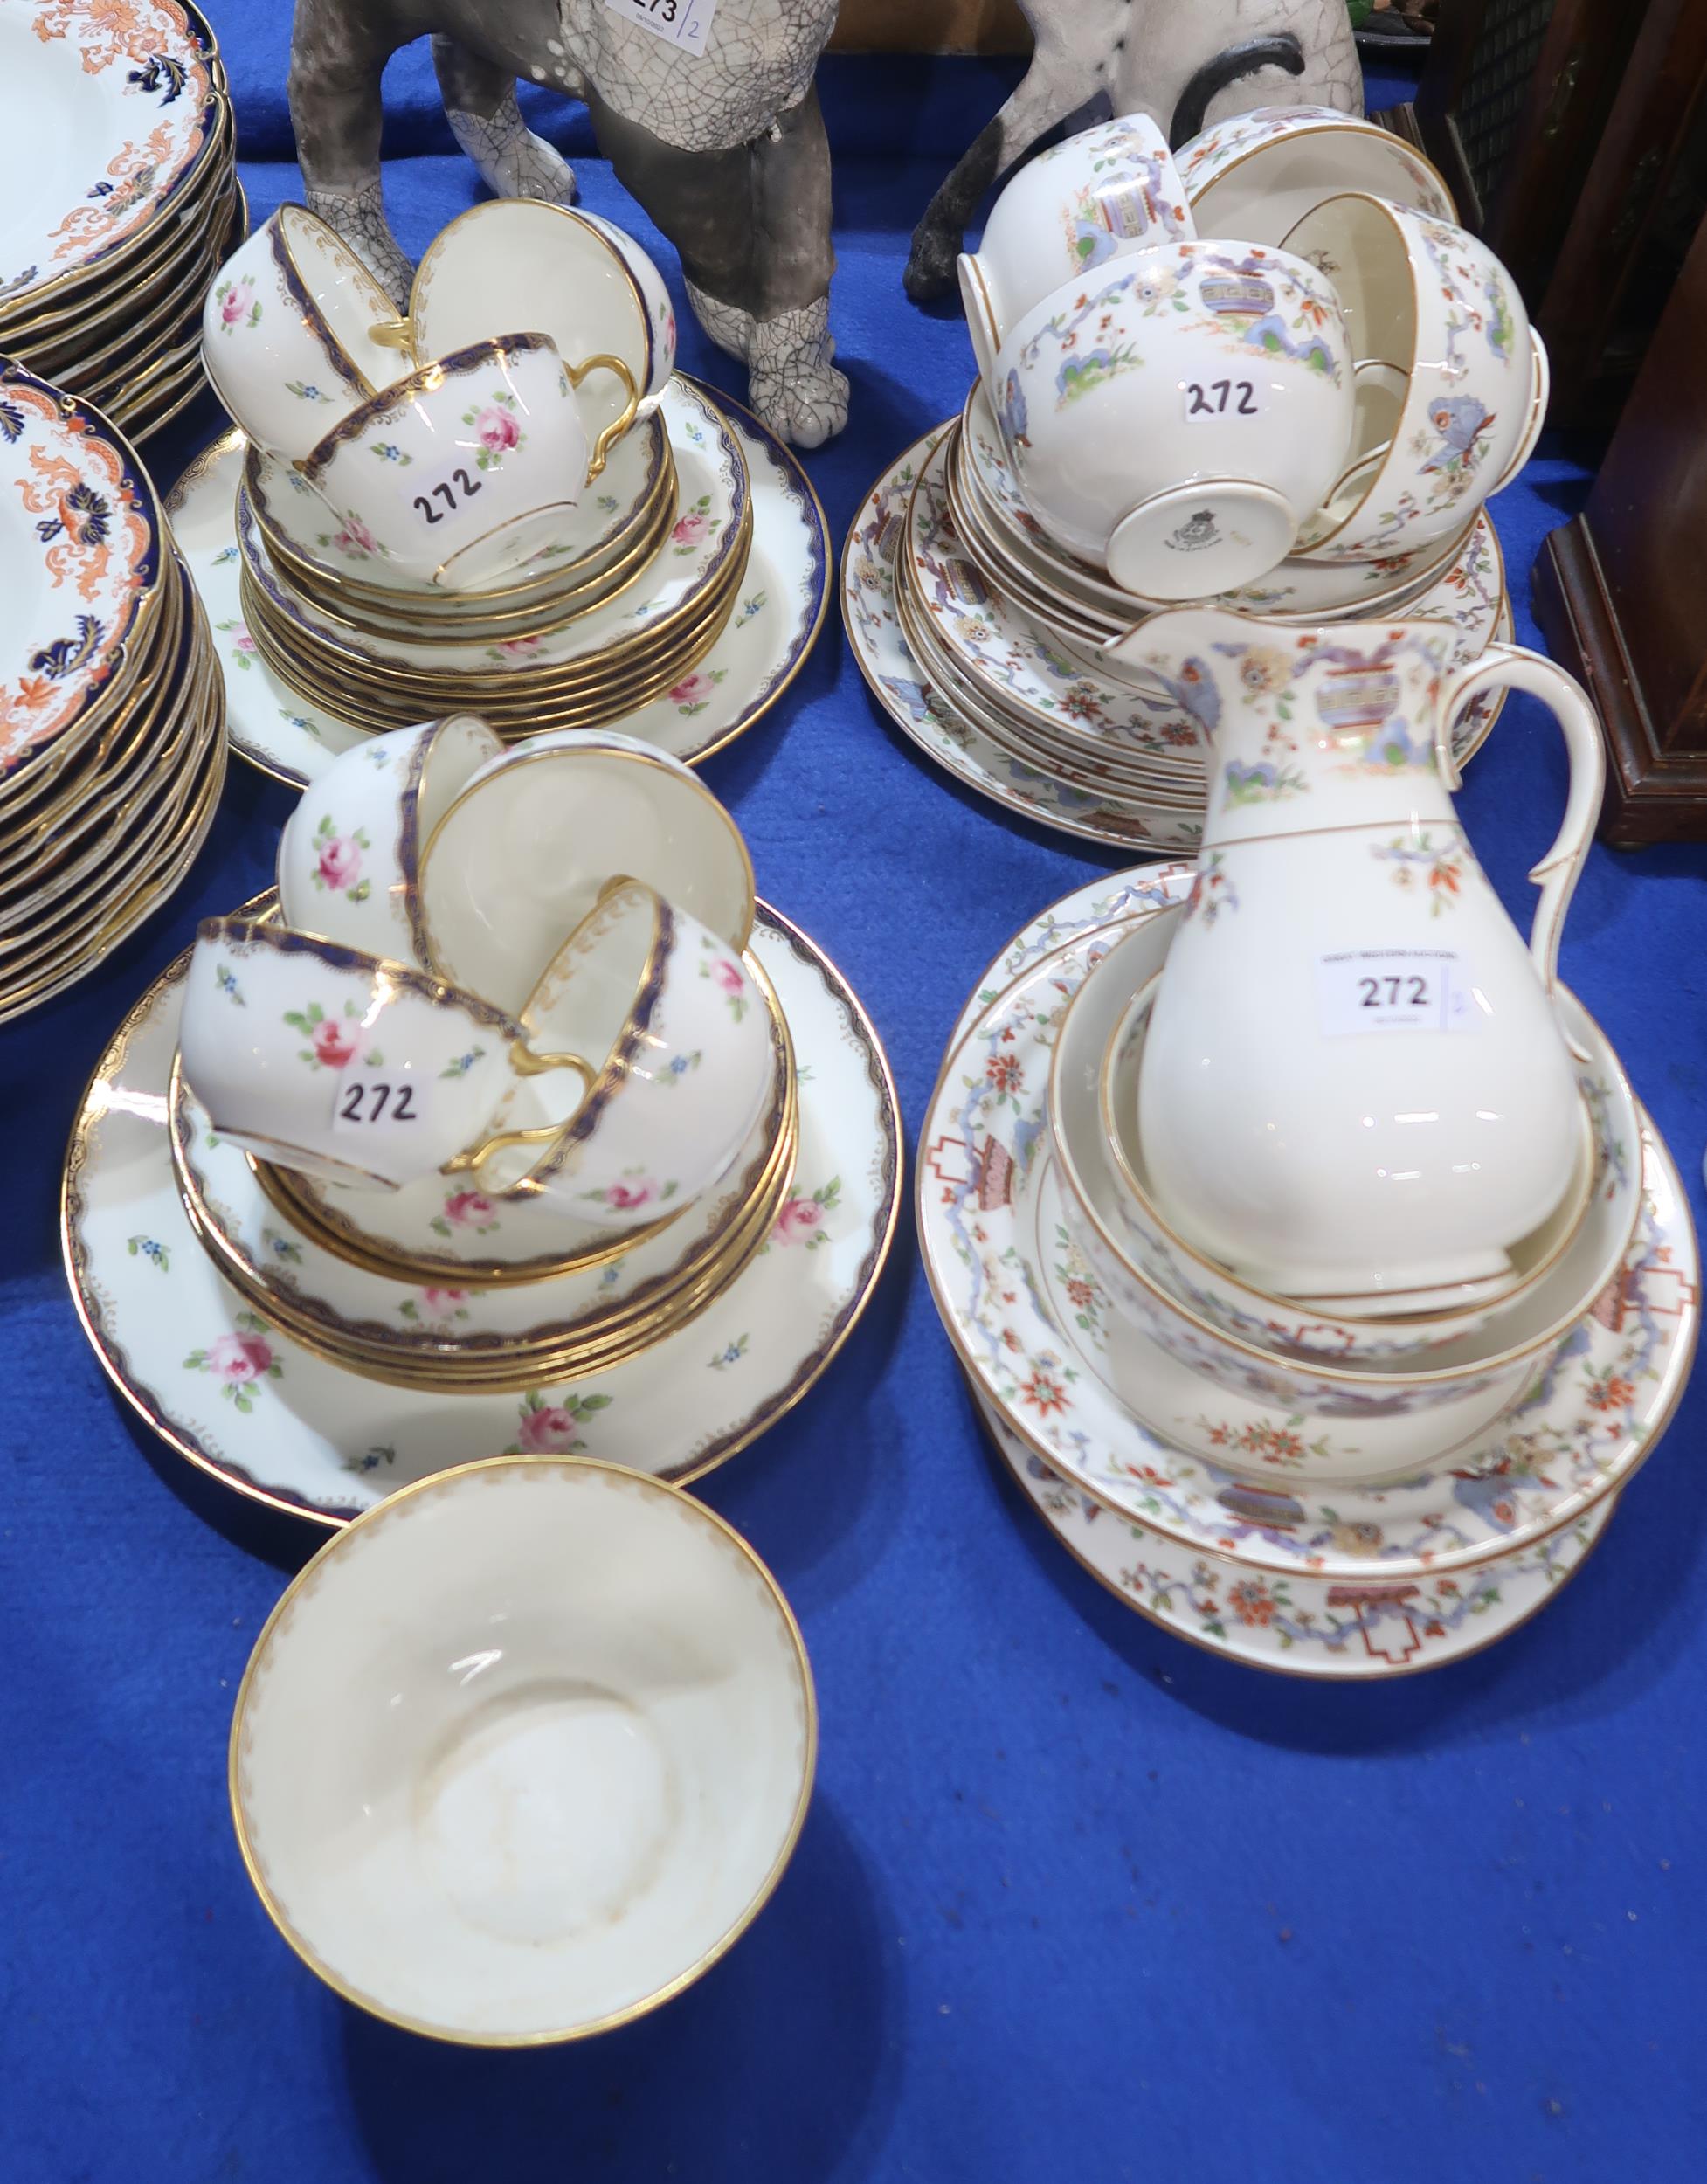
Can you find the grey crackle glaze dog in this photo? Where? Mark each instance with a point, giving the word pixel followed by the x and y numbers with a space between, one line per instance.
pixel 725 149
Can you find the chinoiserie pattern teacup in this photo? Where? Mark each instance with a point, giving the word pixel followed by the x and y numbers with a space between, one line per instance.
pixel 349 1067
pixel 349 852
pixel 675 1042
pixel 1103 194
pixel 515 261
pixel 1179 419
pixel 465 467
pixel 1257 173
pixel 1434 306
pixel 288 333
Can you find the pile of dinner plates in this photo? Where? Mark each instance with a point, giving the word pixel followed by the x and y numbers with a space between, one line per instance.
pixel 112 707
pixel 119 198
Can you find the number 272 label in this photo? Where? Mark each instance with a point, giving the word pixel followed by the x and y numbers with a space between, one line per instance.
pixel 1396 990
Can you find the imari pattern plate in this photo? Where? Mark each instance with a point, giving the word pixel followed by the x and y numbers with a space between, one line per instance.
pixel 79 539
pixel 119 93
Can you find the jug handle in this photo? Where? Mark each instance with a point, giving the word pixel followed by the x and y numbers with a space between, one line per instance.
pixel 1515 667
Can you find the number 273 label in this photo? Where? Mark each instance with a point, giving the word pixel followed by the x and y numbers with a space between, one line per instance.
pixel 683 23
pixel 1396 990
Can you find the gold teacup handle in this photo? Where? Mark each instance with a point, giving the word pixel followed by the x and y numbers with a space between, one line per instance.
pixel 576 374
pixel 526 1063
pixel 394 333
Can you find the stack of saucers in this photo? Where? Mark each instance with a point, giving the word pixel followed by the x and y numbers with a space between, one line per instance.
pixel 112 716
pixel 1333 1489
pixel 1159 418
pixel 111 245
pixel 451 510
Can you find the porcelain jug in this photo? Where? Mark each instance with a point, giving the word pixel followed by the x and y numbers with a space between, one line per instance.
pixel 1354 1082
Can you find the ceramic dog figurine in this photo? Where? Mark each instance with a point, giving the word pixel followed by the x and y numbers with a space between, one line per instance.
pixel 725 148
pixel 1185 63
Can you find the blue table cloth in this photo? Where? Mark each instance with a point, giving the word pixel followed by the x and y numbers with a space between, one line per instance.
pixel 1074 1900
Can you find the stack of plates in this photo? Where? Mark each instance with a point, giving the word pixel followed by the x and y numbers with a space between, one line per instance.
pixel 983 646
pixel 112 707
pixel 622 610
pixel 119 198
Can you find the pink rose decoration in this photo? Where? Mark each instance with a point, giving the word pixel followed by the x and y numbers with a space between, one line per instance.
pixel 354 537
pixel 333 1044
pixel 728 975
pixel 690 529
pixel 238 1358
pixel 626 1196
pixel 694 691
pixel 442 1303
pixel 797 1219
pixel 468 1209
pixel 236 303
pixel 546 1429
pixel 497 429
pixel 241 640
pixel 520 647
pixel 339 863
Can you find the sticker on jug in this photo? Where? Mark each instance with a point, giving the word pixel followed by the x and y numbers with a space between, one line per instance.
pixel 1209 400
pixel 1396 990
pixel 374 1101
pixel 683 23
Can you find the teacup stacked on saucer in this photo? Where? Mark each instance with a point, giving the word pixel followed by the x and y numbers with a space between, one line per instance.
pixel 1301 424
pixel 502 502
pixel 447 1134
pixel 112 708
pixel 106 261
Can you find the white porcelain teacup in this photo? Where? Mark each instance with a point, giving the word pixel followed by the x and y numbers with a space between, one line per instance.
pixel 351 1068
pixel 1256 174
pixel 349 854
pixel 1178 421
pixel 516 261
pixel 526 850
pixel 288 333
pixel 1100 196
pixel 675 1045
pixel 467 467
pixel 1437 312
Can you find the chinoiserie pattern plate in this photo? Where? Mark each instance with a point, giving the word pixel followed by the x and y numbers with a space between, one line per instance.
pixel 1589 1416
pixel 779 611
pixel 911 699
pixel 119 93
pixel 1348 1630
pixel 219 1384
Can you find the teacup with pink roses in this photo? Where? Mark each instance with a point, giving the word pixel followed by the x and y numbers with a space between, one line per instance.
pixel 470 467
pixel 674 1033
pixel 351 1068
pixel 348 852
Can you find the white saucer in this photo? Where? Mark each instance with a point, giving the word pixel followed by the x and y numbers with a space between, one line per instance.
pixel 242 1402
pixel 781 607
